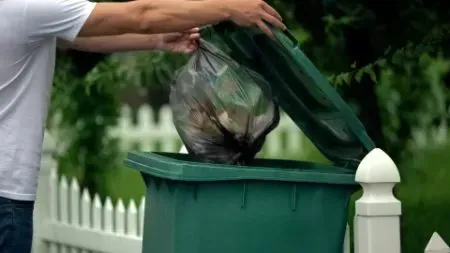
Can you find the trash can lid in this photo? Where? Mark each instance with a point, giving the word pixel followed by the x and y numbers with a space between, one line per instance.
pixel 301 90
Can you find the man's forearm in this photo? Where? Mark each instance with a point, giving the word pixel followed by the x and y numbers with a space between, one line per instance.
pixel 152 16
pixel 163 16
pixel 111 44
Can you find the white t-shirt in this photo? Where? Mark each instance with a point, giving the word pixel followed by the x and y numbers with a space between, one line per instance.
pixel 28 33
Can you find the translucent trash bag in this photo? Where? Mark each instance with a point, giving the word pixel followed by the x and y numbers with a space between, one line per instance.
pixel 221 110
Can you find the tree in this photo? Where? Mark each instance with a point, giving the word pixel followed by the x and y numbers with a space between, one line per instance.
pixel 369 37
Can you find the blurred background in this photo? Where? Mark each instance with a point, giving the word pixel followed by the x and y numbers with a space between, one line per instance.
pixel 388 59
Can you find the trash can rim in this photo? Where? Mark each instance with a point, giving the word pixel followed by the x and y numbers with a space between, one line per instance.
pixel 175 166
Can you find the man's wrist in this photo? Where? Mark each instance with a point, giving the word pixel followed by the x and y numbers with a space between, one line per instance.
pixel 155 42
pixel 210 10
pixel 145 42
pixel 223 8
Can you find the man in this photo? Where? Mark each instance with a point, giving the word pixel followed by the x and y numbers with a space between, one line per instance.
pixel 29 32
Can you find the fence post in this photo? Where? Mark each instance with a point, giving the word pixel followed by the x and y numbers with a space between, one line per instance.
pixel 377 220
pixel 41 210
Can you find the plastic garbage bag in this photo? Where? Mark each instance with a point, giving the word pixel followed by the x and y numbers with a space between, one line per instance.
pixel 221 110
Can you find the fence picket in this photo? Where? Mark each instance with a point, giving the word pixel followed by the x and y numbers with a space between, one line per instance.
pixel 141 215
pixel 120 217
pixel 74 207
pixel 53 247
pixel 97 213
pixel 64 206
pixel 53 184
pixel 75 203
pixel 53 212
pixel 294 142
pixel 166 126
pixel 123 128
pixel 132 219
pixel 85 212
pixel 275 147
pixel 64 200
pixel 108 216
pixel 86 209
pixel 437 245
pixel 145 118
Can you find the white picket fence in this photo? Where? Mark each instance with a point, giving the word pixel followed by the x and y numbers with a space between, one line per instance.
pixel 68 219
pixel 148 135
pixel 77 221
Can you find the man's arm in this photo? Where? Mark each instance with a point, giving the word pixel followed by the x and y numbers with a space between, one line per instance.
pixel 112 44
pixel 152 16
pixel 69 19
pixel 164 16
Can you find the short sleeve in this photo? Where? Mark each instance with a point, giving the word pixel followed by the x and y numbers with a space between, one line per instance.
pixel 56 18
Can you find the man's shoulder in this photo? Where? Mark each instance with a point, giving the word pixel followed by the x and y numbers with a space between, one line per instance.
pixel 12 20
pixel 12 7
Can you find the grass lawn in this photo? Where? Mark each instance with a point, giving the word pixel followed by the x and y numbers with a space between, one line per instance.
pixel 425 196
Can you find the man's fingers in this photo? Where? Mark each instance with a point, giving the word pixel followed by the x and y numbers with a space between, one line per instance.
pixel 193 30
pixel 271 11
pixel 190 48
pixel 194 36
pixel 265 29
pixel 273 21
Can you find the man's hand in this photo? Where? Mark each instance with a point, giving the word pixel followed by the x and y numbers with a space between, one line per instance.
pixel 254 13
pixel 186 42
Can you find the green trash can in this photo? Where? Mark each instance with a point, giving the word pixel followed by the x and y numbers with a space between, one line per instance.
pixel 271 206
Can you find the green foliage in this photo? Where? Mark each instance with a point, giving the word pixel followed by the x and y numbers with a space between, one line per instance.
pixel 415 97
pixel 404 57
pixel 83 108
pixel 412 89
pixel 356 75
pixel 430 44
pixel 154 72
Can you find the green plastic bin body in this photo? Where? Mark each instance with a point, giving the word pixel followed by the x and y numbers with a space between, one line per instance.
pixel 271 206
